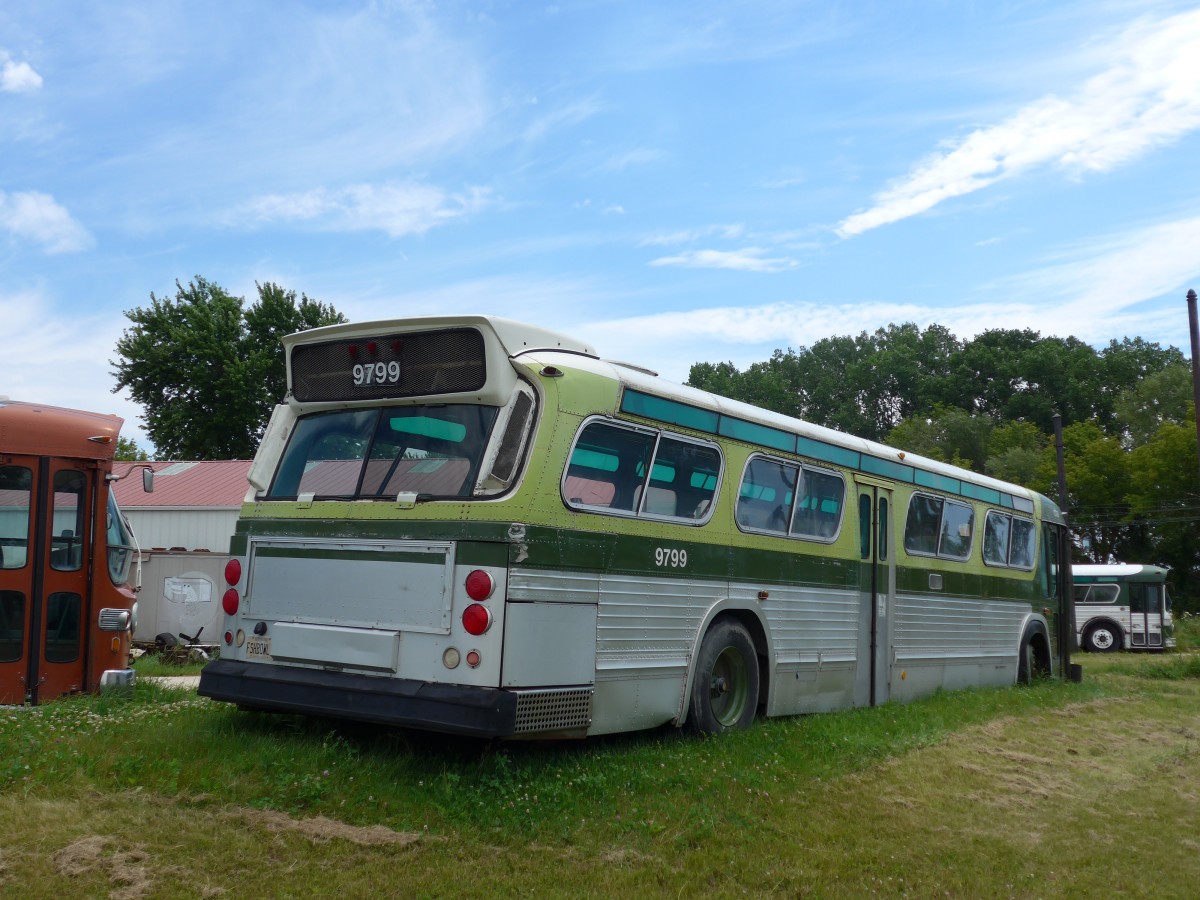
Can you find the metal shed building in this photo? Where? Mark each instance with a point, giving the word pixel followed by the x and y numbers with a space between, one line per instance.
pixel 183 528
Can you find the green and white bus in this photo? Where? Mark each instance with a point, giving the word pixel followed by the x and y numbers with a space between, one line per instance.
pixel 475 526
pixel 1123 606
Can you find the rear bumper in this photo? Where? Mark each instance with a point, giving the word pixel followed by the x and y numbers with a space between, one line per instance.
pixel 453 709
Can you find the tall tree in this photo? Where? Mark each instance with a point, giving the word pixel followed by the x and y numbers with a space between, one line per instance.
pixel 1159 397
pixel 1015 452
pixel 276 314
pixel 948 434
pixel 1098 481
pixel 202 366
pixel 1165 496
pixel 127 449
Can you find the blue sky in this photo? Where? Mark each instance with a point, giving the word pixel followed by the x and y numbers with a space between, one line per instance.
pixel 674 182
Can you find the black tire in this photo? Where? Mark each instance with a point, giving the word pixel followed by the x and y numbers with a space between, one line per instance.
pixel 725 687
pixel 1029 665
pixel 1102 638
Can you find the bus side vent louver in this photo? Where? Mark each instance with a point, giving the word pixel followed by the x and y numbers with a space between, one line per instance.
pixel 553 710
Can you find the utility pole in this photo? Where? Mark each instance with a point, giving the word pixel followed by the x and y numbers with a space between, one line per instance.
pixel 1062 470
pixel 1195 332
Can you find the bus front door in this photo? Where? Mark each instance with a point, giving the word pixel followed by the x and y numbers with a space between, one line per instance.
pixel 44 523
pixel 878 587
pixel 1146 611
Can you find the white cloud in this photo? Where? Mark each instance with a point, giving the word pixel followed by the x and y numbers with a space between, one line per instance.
pixel 748 259
pixel 62 358
pixel 17 77
pixel 38 217
pixel 1148 97
pixel 1095 292
pixel 396 209
pixel 566 116
pixel 1110 277
pixel 687 236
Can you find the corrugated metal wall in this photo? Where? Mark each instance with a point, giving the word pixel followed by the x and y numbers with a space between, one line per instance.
pixel 190 529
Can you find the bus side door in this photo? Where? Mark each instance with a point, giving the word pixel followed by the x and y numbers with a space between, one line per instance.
pixel 878 587
pixel 16 574
pixel 45 505
pixel 1146 606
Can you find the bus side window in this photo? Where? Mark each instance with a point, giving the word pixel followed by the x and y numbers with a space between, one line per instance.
pixel 16 486
pixel 1137 598
pixel 688 472
pixel 604 467
pixel 921 528
pixel 765 495
pixel 819 507
pixel 66 553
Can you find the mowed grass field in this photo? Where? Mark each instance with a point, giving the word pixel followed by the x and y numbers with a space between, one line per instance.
pixel 1059 790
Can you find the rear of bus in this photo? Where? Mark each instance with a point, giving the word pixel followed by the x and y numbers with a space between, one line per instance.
pixel 370 566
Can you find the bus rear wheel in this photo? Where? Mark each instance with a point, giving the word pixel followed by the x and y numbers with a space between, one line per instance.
pixel 1102 639
pixel 725 687
pixel 1034 659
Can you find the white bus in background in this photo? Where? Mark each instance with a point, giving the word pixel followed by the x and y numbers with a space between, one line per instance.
pixel 1122 607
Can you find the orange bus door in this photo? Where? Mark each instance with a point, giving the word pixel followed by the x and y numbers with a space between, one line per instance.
pixel 60 618
pixel 44 602
pixel 17 474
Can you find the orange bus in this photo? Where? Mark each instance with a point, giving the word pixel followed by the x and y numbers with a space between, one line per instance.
pixel 67 610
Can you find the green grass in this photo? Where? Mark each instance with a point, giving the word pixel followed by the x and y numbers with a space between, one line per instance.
pixel 154 665
pixel 1187 632
pixel 1017 792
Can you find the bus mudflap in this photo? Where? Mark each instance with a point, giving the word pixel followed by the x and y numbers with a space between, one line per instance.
pixel 454 709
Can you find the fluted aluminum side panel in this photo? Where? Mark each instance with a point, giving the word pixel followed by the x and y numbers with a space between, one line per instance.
pixel 811 623
pixel 539 586
pixel 651 623
pixel 933 626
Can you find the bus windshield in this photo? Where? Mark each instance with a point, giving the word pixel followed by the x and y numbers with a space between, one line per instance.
pixel 120 543
pixel 368 454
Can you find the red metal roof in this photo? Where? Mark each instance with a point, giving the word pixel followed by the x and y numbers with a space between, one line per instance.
pixel 212 484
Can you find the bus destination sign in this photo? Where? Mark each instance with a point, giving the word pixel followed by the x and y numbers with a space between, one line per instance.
pixel 379 367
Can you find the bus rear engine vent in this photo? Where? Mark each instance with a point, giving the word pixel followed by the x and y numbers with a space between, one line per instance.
pixel 554 710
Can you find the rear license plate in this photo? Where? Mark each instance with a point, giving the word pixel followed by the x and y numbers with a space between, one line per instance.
pixel 258 648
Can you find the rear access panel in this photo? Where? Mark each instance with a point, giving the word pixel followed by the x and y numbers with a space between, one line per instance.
pixel 391 585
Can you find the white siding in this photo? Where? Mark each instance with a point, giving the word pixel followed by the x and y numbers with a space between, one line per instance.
pixel 205 529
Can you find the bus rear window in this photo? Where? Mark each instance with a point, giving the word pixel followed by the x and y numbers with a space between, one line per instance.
pixel 378 453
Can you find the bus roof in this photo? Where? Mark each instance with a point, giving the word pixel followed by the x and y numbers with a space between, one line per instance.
pixel 1136 571
pixel 36 430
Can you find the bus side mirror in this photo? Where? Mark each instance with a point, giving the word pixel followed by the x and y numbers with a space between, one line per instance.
pixel 148 480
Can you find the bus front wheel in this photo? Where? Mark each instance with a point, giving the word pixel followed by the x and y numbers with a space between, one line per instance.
pixel 725 687
pixel 1102 639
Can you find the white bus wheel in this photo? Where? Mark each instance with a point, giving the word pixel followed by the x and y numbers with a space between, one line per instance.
pixel 1102 639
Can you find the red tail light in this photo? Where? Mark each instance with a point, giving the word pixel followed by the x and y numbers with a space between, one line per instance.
pixel 233 571
pixel 477 619
pixel 230 602
pixel 480 585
